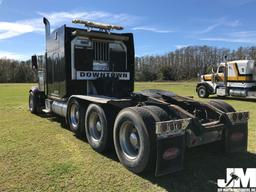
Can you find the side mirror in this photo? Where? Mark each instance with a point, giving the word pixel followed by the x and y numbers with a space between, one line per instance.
pixel 213 70
pixel 34 62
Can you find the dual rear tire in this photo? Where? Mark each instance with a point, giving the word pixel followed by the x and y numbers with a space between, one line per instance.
pixel 135 138
pixel 133 133
pixel 96 127
pixel 90 123
pixel 75 117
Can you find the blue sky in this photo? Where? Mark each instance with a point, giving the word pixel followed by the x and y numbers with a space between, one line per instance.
pixel 158 26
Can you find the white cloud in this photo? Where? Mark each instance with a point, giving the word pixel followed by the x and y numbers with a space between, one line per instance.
pixel 13 29
pixel 181 46
pixel 151 29
pixel 12 55
pixel 248 37
pixel 221 22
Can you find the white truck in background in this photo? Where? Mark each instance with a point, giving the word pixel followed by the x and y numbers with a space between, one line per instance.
pixel 232 78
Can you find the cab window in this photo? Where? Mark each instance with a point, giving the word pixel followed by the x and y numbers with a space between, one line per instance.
pixel 221 69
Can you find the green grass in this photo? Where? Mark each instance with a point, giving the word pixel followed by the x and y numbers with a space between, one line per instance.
pixel 40 154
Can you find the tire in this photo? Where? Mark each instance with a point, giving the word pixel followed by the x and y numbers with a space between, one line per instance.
pixel 32 103
pixel 158 113
pixel 202 92
pixel 96 128
pixel 135 139
pixel 221 105
pixel 75 117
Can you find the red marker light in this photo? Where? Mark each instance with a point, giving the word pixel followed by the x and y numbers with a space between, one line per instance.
pixel 164 128
pixel 234 117
pixel 240 116
pixel 178 125
pixel 246 115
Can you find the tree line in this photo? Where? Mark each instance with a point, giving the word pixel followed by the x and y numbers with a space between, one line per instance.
pixel 13 71
pixel 182 64
pixel 187 63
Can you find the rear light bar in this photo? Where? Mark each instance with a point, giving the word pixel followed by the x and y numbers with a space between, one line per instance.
pixel 101 26
pixel 238 117
pixel 172 127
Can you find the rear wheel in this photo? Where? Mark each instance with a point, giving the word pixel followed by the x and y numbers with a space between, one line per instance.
pixel 75 117
pixel 134 139
pixel 96 127
pixel 202 92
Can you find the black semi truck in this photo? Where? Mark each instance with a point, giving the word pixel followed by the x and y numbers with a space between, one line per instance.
pixel 87 77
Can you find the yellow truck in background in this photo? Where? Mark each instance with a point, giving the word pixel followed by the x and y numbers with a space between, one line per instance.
pixel 232 78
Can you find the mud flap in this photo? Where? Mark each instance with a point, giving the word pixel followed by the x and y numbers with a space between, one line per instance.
pixel 170 154
pixel 236 133
pixel 236 138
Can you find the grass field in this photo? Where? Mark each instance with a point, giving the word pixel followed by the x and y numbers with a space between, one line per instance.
pixel 40 154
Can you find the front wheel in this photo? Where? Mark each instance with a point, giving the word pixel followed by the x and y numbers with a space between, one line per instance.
pixel 202 92
pixel 32 103
pixel 134 139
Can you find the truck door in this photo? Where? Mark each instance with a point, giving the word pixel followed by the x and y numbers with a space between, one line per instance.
pixel 220 73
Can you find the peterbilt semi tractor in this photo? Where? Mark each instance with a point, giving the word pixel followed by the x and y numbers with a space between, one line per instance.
pixel 232 78
pixel 87 77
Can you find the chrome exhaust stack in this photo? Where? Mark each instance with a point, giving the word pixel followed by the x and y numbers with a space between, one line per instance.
pixel 47 28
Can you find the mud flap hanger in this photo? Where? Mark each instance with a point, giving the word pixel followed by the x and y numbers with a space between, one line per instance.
pixel 171 145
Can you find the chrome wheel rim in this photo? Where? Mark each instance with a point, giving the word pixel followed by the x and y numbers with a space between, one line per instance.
pixel 129 140
pixel 31 103
pixel 74 115
pixel 95 126
pixel 202 92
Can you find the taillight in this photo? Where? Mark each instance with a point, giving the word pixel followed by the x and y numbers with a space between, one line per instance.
pixel 246 115
pixel 172 127
pixel 179 125
pixel 240 116
pixel 234 117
